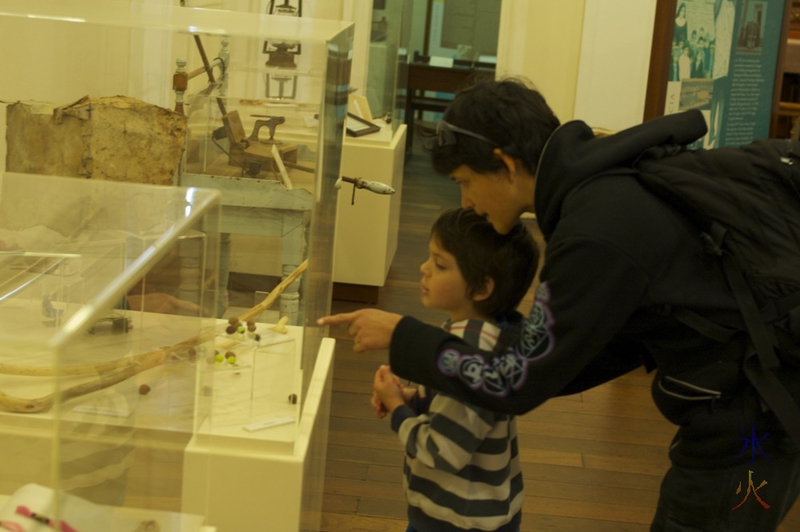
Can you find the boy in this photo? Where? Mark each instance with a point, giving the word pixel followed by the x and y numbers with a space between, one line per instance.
pixel 462 468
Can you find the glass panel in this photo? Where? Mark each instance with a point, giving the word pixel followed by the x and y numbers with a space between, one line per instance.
pixel 249 104
pixel 386 72
pixel 105 306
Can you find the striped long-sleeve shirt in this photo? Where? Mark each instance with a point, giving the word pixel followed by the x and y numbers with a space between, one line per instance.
pixel 462 468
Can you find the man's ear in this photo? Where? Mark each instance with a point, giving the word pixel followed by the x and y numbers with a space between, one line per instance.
pixel 512 165
pixel 485 292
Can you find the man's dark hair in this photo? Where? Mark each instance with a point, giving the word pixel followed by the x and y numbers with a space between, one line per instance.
pixel 481 253
pixel 511 115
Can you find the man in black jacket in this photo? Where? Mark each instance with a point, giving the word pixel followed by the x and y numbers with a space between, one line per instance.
pixel 618 260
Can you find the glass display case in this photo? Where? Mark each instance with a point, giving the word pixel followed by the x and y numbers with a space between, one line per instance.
pixel 99 363
pixel 265 126
pixel 253 106
pixel 387 70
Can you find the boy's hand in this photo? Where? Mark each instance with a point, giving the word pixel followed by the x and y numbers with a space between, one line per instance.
pixel 408 394
pixel 388 390
pixel 377 406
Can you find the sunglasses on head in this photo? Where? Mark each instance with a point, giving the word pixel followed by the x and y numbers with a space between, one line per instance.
pixel 446 134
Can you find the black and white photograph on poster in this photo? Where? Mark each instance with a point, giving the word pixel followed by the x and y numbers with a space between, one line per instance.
pixel 751 34
pixel 724 24
pixel 722 62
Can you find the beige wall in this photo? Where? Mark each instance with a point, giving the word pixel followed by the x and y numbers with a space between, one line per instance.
pixel 360 13
pixel 614 63
pixel 541 41
pixel 325 9
pixel 589 58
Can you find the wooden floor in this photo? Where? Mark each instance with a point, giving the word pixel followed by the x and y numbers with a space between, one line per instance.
pixel 591 462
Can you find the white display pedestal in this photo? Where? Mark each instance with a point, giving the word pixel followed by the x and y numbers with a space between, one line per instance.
pixel 265 480
pixel 230 478
pixel 367 229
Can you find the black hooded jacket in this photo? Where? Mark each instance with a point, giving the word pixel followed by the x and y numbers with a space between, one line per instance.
pixel 618 260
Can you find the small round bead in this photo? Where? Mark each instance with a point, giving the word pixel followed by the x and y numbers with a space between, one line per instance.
pixel 144 389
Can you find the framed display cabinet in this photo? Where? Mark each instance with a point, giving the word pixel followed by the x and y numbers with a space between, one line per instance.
pixel 134 49
pixel 192 99
pixel 101 370
pixel 387 68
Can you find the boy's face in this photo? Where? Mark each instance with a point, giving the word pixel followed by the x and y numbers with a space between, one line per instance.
pixel 443 285
pixel 492 196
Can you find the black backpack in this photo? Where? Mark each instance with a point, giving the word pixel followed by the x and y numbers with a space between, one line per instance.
pixel 745 203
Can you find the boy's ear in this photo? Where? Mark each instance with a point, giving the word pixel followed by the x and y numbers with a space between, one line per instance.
pixel 485 292
pixel 512 165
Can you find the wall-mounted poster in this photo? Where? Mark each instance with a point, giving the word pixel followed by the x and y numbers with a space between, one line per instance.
pixel 723 60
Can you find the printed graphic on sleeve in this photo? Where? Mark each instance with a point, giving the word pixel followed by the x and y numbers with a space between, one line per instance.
pixel 507 372
pixel 537 340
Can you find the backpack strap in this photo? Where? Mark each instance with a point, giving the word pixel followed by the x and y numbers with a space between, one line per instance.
pixel 760 366
pixel 703 325
pixel 762 337
pixel 787 305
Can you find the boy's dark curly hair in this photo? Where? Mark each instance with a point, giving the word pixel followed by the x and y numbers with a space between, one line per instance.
pixel 481 253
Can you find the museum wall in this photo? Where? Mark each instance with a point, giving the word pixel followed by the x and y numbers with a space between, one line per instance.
pixel 325 9
pixel 32 81
pixel 614 62
pixel 359 12
pixel 590 58
pixel 541 40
